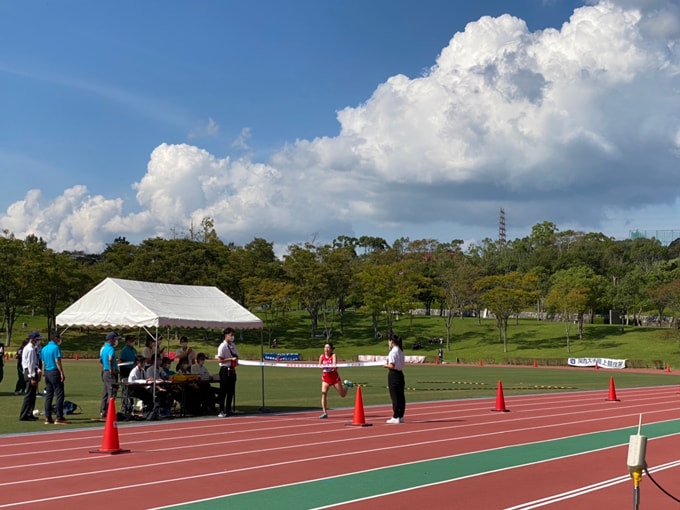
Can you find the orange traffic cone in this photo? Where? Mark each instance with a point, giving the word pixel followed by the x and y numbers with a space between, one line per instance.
pixel 612 391
pixel 359 420
pixel 110 442
pixel 535 365
pixel 436 360
pixel 597 367
pixel 480 362
pixel 76 356
pixel 500 401
pixel 668 367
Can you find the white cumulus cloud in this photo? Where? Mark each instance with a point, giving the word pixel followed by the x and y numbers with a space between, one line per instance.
pixel 570 125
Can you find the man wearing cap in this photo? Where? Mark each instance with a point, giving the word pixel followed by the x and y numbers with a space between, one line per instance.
pixel 109 365
pixel 30 362
pixel 227 355
pixel 54 380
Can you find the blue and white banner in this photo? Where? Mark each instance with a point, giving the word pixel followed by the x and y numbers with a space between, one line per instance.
pixel 600 362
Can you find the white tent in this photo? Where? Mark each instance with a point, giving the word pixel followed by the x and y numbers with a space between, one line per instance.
pixel 133 304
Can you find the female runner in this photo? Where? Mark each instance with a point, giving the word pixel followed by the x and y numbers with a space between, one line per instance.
pixel 330 377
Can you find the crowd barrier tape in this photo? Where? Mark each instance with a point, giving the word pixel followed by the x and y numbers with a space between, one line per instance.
pixel 309 365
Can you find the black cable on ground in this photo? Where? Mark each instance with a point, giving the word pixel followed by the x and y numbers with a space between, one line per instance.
pixel 661 488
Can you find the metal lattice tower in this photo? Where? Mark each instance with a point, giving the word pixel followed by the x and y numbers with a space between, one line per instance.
pixel 501 226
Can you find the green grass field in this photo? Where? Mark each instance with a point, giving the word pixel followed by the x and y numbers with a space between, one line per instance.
pixel 291 389
pixel 470 341
pixel 297 389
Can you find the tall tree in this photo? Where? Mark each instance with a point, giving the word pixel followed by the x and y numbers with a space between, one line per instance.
pixel 506 295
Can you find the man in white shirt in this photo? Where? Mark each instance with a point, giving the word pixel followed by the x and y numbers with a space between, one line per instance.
pixel 30 362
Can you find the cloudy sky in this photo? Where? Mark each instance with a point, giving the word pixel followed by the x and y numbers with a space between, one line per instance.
pixel 310 119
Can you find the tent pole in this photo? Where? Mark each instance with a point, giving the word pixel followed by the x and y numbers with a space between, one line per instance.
pixel 263 409
pixel 155 364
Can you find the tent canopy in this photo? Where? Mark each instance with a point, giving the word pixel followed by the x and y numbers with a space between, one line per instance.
pixel 134 304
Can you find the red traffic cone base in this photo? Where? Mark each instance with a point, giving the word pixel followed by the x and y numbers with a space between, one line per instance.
pixel 500 400
pixel 359 419
pixel 110 442
pixel 612 391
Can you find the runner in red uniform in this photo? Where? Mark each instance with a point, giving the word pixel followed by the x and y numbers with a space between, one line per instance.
pixel 330 377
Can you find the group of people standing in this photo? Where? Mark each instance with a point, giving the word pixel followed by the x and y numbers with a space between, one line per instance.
pixel 38 363
pixel 152 366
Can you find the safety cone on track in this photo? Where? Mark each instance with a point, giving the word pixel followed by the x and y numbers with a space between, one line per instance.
pixel 359 419
pixel 612 391
pixel 110 442
pixel 500 401
pixel 535 365
pixel 597 367
pixel 668 367
pixel 480 362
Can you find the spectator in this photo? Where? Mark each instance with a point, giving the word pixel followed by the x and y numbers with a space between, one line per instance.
pixel 30 363
pixel 53 371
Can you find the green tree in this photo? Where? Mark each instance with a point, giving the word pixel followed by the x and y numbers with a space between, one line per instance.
pixel 506 295
pixel 272 298
pixel 304 268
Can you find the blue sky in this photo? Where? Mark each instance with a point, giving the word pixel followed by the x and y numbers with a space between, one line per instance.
pixel 302 119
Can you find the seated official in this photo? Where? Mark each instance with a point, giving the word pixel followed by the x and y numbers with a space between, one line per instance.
pixel 193 398
pixel 164 396
pixel 209 393
pixel 139 386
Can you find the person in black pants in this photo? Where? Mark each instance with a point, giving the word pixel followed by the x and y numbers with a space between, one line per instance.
pixel 395 378
pixel 30 361
pixel 20 387
pixel 227 356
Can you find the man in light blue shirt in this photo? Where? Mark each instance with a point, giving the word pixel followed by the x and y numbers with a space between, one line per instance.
pixel 54 380
pixel 109 365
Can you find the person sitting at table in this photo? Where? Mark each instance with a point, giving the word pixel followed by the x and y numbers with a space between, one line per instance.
pixel 165 367
pixel 193 399
pixel 208 392
pixel 155 369
pixel 185 352
pixel 138 386
pixel 163 395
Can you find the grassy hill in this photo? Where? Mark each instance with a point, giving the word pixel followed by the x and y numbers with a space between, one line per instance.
pixel 470 341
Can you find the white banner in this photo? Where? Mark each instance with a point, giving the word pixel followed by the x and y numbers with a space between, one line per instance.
pixel 600 362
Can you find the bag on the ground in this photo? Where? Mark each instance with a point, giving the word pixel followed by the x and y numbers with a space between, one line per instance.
pixel 69 407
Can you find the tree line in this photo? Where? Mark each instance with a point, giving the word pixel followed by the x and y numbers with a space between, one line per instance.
pixel 571 275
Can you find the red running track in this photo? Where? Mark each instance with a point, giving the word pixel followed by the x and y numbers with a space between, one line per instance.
pixel 174 462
